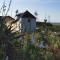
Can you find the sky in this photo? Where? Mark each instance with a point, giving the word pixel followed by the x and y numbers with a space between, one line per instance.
pixel 44 8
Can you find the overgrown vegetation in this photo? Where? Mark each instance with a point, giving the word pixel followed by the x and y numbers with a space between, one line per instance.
pixel 6 39
pixel 25 48
pixel 30 51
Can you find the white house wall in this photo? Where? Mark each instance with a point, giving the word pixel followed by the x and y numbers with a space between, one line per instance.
pixel 33 24
pixel 25 25
pixel 17 28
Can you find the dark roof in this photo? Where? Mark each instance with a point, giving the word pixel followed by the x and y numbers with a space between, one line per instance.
pixel 7 17
pixel 10 18
pixel 26 14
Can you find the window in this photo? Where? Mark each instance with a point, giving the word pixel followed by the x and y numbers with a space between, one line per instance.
pixel 28 20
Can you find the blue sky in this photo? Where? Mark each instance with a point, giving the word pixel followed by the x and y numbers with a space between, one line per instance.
pixel 44 8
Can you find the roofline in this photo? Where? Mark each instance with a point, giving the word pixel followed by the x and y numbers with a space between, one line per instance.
pixel 24 12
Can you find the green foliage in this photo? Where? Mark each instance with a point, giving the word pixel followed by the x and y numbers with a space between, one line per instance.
pixel 1 53
pixel 6 37
pixel 17 43
pixel 29 51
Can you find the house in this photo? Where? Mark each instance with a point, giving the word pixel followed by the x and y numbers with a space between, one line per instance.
pixel 10 22
pixel 27 22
